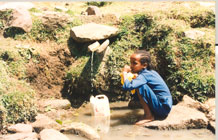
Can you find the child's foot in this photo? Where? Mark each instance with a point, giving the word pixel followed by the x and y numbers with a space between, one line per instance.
pixel 145 120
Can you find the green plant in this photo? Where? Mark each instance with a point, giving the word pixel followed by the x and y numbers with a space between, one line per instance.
pixel 99 4
pixel 5 17
pixel 19 106
pixel 16 103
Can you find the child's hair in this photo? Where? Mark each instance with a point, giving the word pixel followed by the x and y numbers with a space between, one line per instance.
pixel 145 58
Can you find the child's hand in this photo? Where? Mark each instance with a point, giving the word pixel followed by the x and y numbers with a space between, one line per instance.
pixel 126 69
pixel 135 75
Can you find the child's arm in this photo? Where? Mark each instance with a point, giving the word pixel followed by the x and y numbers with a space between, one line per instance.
pixel 135 83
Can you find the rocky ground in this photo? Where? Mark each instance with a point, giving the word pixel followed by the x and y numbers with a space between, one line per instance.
pixel 57 118
pixel 55 113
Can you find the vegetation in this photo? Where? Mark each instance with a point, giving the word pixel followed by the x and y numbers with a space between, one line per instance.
pixel 185 64
pixel 99 4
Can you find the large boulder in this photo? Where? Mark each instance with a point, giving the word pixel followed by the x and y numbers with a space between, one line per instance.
pixel 19 18
pixel 93 10
pixel 187 114
pixel 181 117
pixel 92 32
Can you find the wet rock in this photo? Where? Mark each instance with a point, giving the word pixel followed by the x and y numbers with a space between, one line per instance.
pixel 17 5
pixel 181 117
pixel 20 136
pixel 94 46
pixel 20 128
pixel 92 32
pixel 93 10
pixel 43 122
pixel 58 104
pixel 82 130
pixel 51 134
pixel 194 34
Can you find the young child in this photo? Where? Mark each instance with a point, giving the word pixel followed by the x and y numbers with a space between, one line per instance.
pixel 152 91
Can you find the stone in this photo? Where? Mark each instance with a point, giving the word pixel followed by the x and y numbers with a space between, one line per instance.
pixel 20 18
pixel 103 46
pixel 81 129
pixel 17 5
pixel 211 103
pixel 207 4
pixel 92 32
pixel 109 19
pixel 43 122
pixel 20 128
pixel 212 114
pixel 94 46
pixel 181 117
pixel 20 136
pixel 212 126
pixel 51 134
pixel 189 102
pixel 93 10
pixel 194 34
pixel 61 8
pixel 53 20
pixel 58 104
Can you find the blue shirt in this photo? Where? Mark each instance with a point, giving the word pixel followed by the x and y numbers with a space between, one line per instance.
pixel 154 81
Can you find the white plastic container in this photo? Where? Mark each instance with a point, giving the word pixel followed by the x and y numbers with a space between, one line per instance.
pixel 100 105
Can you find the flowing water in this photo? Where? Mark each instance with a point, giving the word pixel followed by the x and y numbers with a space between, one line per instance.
pixel 120 126
pixel 92 72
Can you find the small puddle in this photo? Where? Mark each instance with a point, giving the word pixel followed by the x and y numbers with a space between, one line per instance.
pixel 120 125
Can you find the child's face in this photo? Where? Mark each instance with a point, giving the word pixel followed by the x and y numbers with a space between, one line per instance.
pixel 136 65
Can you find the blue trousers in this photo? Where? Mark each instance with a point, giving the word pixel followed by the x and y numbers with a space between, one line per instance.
pixel 160 106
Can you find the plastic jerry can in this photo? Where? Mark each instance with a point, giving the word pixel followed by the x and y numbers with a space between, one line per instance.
pixel 130 76
pixel 100 105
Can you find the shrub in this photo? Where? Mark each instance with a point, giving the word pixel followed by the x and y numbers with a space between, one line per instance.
pixel 98 4
pixel 16 103
pixel 19 106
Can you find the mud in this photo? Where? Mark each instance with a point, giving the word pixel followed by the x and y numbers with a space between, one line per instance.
pixel 47 74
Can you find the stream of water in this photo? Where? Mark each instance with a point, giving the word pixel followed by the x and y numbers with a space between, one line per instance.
pixel 92 72
pixel 120 126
